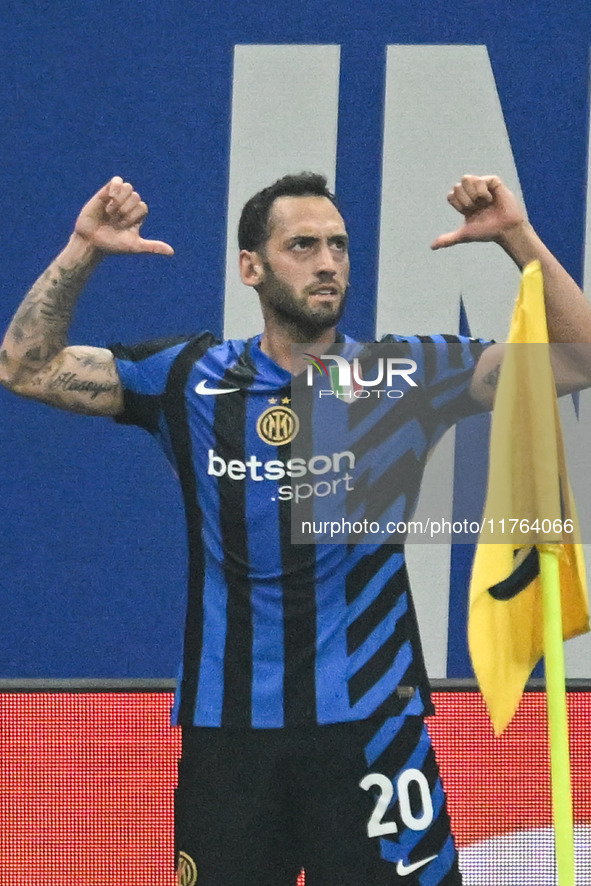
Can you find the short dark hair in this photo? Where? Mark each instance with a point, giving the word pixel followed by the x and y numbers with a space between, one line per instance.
pixel 253 228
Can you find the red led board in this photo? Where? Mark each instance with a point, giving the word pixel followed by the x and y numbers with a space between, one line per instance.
pixel 499 789
pixel 88 780
pixel 87 783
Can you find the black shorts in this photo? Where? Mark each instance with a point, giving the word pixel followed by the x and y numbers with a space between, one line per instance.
pixel 355 804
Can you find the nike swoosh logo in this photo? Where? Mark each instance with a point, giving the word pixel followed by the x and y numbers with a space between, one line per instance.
pixel 404 870
pixel 202 388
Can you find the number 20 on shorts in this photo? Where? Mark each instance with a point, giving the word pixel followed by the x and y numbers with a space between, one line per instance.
pixel 376 826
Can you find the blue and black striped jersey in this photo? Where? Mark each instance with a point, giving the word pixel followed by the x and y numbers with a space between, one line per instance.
pixel 279 633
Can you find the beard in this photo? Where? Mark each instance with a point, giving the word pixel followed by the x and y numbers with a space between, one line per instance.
pixel 294 310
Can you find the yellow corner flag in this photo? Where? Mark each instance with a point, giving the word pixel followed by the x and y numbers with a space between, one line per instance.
pixel 527 481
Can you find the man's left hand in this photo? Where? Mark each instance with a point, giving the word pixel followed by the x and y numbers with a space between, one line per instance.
pixel 489 208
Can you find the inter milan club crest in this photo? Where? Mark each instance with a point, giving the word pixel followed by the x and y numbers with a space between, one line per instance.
pixel 278 425
pixel 186 870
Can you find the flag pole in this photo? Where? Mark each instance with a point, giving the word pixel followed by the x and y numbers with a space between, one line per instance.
pixel 562 804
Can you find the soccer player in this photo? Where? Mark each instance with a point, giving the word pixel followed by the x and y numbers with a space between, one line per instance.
pixel 302 692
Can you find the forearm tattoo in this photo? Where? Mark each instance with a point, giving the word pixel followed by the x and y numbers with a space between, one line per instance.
pixel 36 361
pixel 492 378
pixel 69 381
pixel 40 326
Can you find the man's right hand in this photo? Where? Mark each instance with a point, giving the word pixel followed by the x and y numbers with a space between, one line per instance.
pixel 35 359
pixel 110 222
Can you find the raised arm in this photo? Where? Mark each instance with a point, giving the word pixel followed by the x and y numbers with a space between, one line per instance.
pixel 492 213
pixel 35 360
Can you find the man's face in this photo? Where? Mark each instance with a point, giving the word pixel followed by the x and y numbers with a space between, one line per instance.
pixel 305 263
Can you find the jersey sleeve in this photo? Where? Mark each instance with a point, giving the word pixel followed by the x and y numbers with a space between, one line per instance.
pixel 445 368
pixel 143 370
